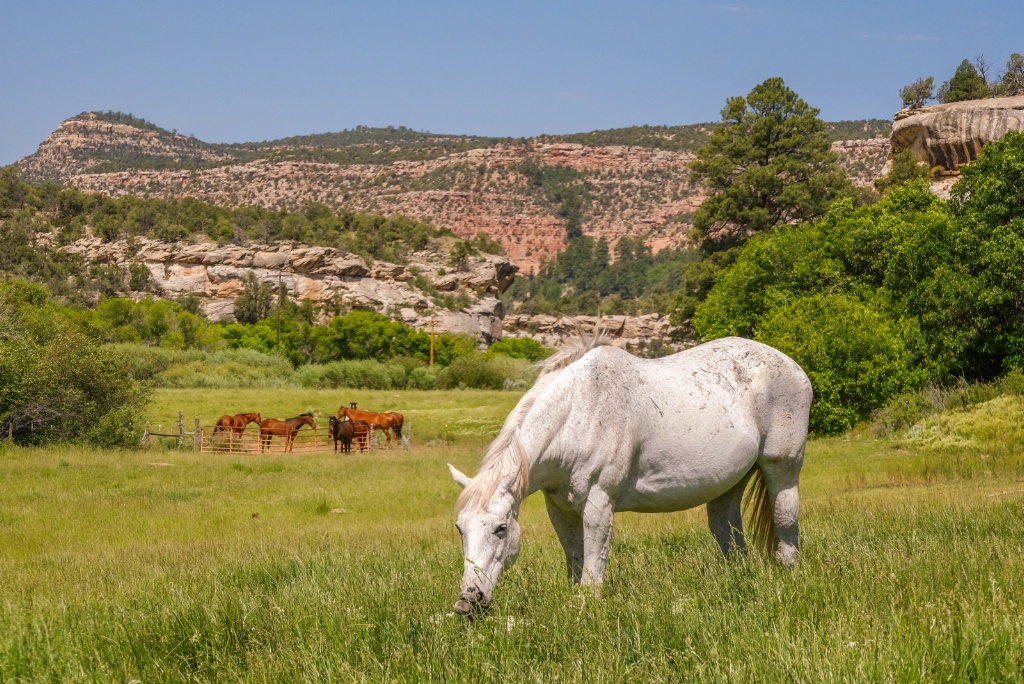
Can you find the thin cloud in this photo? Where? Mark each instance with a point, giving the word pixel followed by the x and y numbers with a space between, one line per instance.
pixel 734 9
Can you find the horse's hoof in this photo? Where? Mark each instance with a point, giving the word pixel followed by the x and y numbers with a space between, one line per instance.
pixel 463 607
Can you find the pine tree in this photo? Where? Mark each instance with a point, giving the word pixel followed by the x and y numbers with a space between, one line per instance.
pixel 768 162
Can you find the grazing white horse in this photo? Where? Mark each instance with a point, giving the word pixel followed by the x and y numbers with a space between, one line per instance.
pixel 603 431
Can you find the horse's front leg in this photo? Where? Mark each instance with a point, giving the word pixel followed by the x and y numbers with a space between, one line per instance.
pixel 568 526
pixel 597 535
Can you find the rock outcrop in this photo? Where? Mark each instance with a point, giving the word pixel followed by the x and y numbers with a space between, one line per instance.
pixel 339 281
pixel 336 280
pixel 948 136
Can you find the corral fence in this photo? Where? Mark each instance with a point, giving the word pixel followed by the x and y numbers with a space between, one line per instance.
pixel 180 434
pixel 208 439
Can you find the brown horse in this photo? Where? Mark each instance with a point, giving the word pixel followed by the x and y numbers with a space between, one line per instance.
pixel 284 428
pixel 397 420
pixel 342 431
pixel 236 424
pixel 381 421
pixel 362 432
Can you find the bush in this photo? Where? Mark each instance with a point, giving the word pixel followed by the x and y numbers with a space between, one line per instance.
pixel 119 428
pixel 57 383
pixel 477 371
pixel 855 357
pixel 520 348
pixel 361 374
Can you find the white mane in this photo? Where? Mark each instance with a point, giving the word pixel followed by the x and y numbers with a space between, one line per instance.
pixel 506 457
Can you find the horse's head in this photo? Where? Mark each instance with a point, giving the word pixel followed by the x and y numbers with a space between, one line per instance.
pixel 309 420
pixel 343 412
pixel 253 418
pixel 333 423
pixel 490 542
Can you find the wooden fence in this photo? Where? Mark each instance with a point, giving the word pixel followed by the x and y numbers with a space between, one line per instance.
pixel 180 434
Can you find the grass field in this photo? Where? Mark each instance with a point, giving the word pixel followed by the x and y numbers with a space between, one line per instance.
pixel 161 565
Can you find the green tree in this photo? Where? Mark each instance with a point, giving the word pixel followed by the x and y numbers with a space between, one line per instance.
pixel 966 84
pixel 461 251
pixel 1011 80
pixel 904 167
pixel 255 301
pixel 768 162
pixel 918 93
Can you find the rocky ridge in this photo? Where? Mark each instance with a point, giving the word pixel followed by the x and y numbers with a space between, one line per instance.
pixel 633 191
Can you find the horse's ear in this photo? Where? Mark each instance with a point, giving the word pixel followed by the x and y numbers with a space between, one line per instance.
pixel 460 478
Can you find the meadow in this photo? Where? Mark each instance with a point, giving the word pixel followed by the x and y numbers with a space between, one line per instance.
pixel 165 565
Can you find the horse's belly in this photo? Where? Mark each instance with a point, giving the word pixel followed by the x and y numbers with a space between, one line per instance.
pixel 664 481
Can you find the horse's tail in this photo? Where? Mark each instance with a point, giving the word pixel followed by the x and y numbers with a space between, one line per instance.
pixel 758 506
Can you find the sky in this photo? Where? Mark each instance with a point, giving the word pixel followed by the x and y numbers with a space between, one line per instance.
pixel 258 70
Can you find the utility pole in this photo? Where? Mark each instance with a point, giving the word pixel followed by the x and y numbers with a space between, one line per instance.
pixel 432 342
pixel 280 302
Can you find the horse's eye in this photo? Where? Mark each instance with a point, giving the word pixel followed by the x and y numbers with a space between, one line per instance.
pixel 501 531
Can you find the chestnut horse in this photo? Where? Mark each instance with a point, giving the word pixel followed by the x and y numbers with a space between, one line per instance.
pixel 236 424
pixel 284 428
pixel 397 420
pixel 381 421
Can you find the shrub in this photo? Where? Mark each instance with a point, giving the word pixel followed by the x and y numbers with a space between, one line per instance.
pixel 357 374
pixel 57 383
pixel 119 428
pixel 520 348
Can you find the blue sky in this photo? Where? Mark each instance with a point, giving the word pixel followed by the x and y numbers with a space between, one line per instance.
pixel 250 71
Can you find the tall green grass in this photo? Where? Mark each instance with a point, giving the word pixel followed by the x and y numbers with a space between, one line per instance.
pixel 174 566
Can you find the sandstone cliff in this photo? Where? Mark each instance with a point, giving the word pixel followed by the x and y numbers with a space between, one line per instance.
pixel 948 136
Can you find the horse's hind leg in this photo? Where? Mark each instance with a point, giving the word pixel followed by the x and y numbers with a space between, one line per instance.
pixel 782 478
pixel 569 528
pixel 725 518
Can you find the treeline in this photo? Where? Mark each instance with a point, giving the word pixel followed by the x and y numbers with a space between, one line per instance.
pixel 589 278
pixel 359 335
pixel 970 81
pixel 690 137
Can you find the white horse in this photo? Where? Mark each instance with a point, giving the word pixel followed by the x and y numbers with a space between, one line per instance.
pixel 603 431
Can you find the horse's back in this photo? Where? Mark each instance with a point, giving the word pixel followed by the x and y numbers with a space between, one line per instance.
pixel 673 432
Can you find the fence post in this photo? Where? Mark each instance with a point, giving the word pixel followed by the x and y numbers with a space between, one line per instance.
pixel 197 444
pixel 181 428
pixel 407 438
pixel 145 435
pixel 370 439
